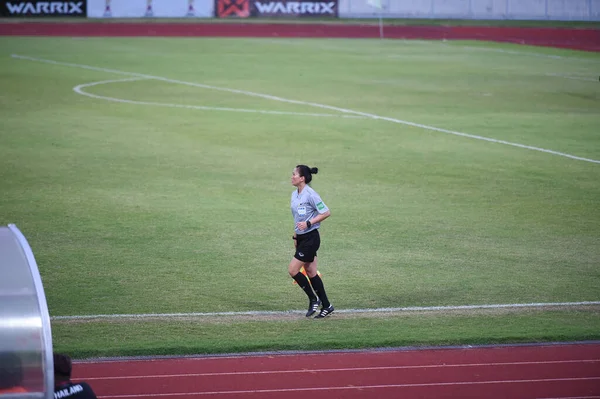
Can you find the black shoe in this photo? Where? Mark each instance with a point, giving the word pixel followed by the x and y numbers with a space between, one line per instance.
pixel 313 306
pixel 325 312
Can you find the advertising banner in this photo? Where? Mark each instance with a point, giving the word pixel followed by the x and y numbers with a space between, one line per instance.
pixel 37 8
pixel 275 8
pixel 149 8
pixel 232 8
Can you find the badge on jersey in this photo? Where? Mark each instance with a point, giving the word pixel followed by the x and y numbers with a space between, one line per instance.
pixel 301 210
pixel 320 206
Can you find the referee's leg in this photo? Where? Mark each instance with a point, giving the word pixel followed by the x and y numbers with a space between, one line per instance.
pixel 294 270
pixel 316 282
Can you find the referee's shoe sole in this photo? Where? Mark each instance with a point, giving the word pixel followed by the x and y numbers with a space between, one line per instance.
pixel 325 312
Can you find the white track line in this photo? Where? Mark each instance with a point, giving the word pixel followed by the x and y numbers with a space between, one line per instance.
pixel 573 397
pixel 298 102
pixel 350 369
pixel 79 90
pixel 289 312
pixel 354 387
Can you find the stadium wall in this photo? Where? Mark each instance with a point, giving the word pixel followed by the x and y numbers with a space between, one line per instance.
pixel 558 10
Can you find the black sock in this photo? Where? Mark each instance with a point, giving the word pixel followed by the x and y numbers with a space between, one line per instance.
pixel 317 284
pixel 305 285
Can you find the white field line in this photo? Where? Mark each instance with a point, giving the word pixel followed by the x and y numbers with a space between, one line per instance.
pixel 559 75
pixel 338 370
pixel 388 52
pixel 525 53
pixel 79 90
pixel 298 102
pixel 442 42
pixel 449 44
pixel 355 387
pixel 350 311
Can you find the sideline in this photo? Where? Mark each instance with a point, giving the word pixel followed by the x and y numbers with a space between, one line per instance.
pixel 340 311
pixel 283 353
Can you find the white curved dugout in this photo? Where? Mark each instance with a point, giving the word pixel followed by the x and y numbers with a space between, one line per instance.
pixel 25 334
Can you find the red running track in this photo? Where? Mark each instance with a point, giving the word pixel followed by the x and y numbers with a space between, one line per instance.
pixel 536 371
pixel 580 39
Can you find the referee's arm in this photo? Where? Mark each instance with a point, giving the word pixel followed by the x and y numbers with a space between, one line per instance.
pixel 320 217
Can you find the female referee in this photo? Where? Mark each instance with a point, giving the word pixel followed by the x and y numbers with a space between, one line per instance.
pixel 309 211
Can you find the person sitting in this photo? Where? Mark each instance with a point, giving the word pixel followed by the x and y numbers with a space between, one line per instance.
pixel 11 373
pixel 63 386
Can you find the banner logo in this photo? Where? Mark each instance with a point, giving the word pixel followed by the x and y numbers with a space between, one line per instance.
pixel 232 8
pixel 43 8
pixel 295 8
pixel 285 8
pixel 107 12
pixel 149 12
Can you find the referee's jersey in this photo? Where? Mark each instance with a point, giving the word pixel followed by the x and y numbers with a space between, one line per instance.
pixel 305 206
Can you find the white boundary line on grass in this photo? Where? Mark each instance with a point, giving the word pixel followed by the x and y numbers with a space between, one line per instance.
pixel 559 75
pixel 526 53
pixel 350 311
pixel 451 44
pixel 446 45
pixel 306 103
pixel 79 90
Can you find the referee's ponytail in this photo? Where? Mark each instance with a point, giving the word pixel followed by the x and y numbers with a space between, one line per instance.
pixel 307 172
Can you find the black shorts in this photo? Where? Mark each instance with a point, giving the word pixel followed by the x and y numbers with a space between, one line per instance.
pixel 307 246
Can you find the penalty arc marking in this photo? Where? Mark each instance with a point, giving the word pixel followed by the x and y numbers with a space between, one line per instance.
pixel 79 90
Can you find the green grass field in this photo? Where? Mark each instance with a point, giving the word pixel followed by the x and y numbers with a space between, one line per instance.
pixel 167 191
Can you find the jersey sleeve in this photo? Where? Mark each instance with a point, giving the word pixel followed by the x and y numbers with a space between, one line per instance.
pixel 318 203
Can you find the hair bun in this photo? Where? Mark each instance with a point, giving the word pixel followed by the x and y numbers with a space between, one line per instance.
pixel 314 171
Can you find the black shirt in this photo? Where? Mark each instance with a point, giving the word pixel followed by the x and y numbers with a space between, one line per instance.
pixel 79 390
